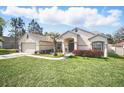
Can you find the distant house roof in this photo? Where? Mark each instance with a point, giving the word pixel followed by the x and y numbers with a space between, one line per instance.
pixel 8 39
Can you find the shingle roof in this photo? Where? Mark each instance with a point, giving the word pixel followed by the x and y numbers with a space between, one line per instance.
pixel 8 39
pixel 98 35
pixel 40 37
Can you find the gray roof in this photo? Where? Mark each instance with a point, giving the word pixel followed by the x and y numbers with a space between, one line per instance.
pixel 8 39
pixel 98 35
pixel 40 37
pixel 83 30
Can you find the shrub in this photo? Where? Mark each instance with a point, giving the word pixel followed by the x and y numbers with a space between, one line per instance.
pixel 7 51
pixel 88 53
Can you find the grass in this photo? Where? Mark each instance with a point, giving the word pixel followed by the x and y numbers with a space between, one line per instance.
pixel 71 72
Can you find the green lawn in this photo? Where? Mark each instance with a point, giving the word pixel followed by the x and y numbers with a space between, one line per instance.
pixel 78 71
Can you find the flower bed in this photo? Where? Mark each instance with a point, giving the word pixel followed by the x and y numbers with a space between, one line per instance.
pixel 88 53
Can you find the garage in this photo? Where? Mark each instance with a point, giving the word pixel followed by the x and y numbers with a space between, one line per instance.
pixel 28 47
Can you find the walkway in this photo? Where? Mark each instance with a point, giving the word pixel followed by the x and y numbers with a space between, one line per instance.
pixel 14 55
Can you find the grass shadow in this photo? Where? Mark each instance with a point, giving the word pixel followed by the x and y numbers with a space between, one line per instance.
pixel 114 55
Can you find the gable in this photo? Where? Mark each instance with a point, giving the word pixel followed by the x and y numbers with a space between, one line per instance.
pixel 68 34
pixel 26 38
pixel 98 38
pixel 83 33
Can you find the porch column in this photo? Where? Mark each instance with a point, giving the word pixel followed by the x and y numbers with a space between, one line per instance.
pixel 105 50
pixel 63 47
pixel 75 44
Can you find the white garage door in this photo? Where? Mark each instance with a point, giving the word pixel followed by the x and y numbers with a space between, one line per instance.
pixel 28 47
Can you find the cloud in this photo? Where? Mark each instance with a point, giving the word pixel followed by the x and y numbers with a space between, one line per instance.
pixel 78 16
pixel 25 12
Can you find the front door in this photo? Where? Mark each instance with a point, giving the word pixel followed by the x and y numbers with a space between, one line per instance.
pixel 71 46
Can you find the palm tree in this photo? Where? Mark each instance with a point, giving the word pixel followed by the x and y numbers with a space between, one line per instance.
pixel 2 24
pixel 54 37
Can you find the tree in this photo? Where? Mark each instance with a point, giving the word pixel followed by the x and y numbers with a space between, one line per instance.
pixel 17 30
pixel 34 27
pixel 110 38
pixel 119 35
pixel 2 24
pixel 1 39
pixel 46 33
pixel 54 37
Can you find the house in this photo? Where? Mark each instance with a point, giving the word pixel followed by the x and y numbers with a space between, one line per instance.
pixel 8 43
pixel 1 44
pixel 79 39
pixel 75 39
pixel 30 42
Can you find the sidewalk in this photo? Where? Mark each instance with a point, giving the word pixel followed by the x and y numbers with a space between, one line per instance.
pixel 14 55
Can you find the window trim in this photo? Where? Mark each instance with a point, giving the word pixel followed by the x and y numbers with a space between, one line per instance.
pixel 101 44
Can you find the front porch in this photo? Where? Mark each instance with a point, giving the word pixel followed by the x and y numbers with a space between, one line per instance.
pixel 68 45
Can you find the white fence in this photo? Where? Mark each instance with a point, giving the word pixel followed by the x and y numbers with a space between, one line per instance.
pixel 118 50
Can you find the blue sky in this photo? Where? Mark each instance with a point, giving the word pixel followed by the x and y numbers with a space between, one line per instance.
pixel 63 18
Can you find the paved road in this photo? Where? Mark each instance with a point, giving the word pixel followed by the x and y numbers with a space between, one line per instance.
pixel 14 55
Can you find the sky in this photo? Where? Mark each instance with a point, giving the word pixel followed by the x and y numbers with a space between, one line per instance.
pixel 63 18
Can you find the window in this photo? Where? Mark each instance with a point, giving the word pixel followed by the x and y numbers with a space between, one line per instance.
pixel 97 45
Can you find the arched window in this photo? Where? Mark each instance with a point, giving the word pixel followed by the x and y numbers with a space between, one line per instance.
pixel 98 45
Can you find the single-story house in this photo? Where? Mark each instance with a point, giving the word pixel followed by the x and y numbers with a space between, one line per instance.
pixel 75 39
pixel 8 43
pixel 1 44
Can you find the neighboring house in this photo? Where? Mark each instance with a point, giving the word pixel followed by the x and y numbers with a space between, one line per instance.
pixel 29 43
pixel 1 44
pixel 75 39
pixel 9 43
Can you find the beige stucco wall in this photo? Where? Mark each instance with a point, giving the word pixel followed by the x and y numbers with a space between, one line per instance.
pixel 44 45
pixel 29 39
pixel 99 38
pixel 83 43
pixel 83 39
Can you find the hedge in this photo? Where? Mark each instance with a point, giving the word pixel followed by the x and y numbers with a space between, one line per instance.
pixel 88 53
pixel 7 51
